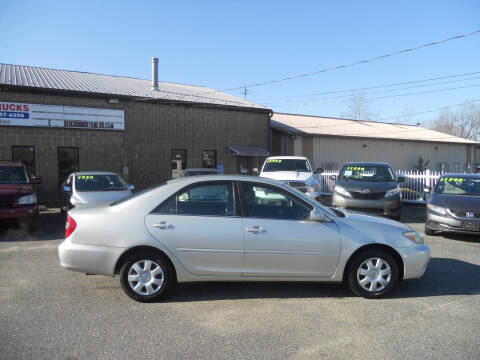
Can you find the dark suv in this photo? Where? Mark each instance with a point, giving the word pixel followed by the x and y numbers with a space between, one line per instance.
pixel 368 186
pixel 17 195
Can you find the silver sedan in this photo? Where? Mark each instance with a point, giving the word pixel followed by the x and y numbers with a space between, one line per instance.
pixel 237 228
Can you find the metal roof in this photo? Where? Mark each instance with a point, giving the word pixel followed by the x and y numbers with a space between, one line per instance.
pixel 325 126
pixel 44 78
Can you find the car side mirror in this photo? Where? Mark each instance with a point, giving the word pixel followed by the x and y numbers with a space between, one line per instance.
pixel 333 177
pixel 130 187
pixel 319 171
pixel 401 179
pixel 317 216
pixel 255 170
pixel 37 180
pixel 67 188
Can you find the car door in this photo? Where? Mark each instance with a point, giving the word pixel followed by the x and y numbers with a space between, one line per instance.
pixel 201 227
pixel 279 238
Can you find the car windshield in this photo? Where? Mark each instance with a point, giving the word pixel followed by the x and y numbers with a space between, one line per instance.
pixel 300 165
pixel 13 175
pixel 199 172
pixel 107 182
pixel 458 185
pixel 374 173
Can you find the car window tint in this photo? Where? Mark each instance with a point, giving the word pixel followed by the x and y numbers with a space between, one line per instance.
pixel 212 199
pixel 269 202
pixel 169 206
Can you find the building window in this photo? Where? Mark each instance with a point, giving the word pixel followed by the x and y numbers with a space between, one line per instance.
pixel 68 162
pixel 25 154
pixel 442 166
pixel 209 159
pixel 178 159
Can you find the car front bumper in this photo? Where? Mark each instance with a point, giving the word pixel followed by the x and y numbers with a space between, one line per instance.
pixel 18 212
pixel 436 222
pixel 415 260
pixel 389 206
pixel 90 259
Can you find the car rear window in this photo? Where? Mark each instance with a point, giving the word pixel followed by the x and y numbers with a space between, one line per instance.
pixel 107 182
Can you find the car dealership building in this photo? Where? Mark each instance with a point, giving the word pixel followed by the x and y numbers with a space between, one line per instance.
pixel 60 121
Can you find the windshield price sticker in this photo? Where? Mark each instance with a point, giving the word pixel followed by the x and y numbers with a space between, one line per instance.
pixel 353 168
pixel 85 177
pixel 452 179
pixel 276 161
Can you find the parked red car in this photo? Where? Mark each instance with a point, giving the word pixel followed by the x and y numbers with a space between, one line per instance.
pixel 17 194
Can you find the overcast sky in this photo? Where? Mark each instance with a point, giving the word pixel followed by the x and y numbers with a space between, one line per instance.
pixel 225 44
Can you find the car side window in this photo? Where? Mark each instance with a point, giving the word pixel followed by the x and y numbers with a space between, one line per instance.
pixel 206 199
pixel 272 203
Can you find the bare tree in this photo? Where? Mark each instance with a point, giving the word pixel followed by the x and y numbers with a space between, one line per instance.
pixel 358 108
pixel 464 123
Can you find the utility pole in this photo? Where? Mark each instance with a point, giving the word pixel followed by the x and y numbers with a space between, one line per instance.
pixel 245 93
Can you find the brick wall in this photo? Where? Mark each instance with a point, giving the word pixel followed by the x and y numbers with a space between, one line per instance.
pixel 151 131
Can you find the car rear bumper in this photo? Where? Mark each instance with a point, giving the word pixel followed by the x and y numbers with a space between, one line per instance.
pixel 387 206
pixel 415 260
pixel 91 259
pixel 448 224
pixel 18 212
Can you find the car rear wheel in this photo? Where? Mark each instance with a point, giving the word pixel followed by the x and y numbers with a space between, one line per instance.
pixel 146 277
pixel 373 273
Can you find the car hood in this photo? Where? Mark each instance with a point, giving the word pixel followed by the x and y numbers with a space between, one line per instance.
pixel 8 190
pixel 287 175
pixel 456 202
pixel 367 228
pixel 358 186
pixel 94 197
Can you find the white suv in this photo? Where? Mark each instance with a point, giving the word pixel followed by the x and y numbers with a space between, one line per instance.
pixel 295 171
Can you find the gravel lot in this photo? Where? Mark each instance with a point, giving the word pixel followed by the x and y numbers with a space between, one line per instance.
pixel 50 313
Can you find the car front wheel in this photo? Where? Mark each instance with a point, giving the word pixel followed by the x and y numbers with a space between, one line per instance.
pixel 372 274
pixel 145 277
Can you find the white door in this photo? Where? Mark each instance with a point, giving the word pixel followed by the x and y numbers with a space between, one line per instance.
pixel 199 225
pixel 279 238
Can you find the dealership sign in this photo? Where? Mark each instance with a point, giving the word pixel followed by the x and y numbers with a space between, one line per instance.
pixel 19 114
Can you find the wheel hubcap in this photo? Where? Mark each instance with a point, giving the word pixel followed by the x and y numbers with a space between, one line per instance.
pixel 374 274
pixel 145 277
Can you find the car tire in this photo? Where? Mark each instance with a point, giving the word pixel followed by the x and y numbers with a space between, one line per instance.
pixel 365 272
pixel 146 277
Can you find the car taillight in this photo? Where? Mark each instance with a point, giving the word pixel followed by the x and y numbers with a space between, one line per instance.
pixel 69 226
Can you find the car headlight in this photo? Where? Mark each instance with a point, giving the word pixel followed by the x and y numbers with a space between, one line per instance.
pixel 341 190
pixel 27 199
pixel 438 209
pixel 392 192
pixel 414 236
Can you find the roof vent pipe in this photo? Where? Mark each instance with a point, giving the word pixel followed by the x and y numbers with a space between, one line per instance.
pixel 154 73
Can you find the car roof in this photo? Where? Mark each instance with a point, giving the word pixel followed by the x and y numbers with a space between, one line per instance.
pixel 288 157
pixel 468 176
pixel 193 179
pixel 200 169
pixel 94 173
pixel 367 163
pixel 11 163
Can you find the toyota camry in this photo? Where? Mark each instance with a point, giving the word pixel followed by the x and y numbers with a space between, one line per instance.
pixel 237 228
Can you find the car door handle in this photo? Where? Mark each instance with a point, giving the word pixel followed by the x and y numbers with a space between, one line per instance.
pixel 162 225
pixel 255 229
